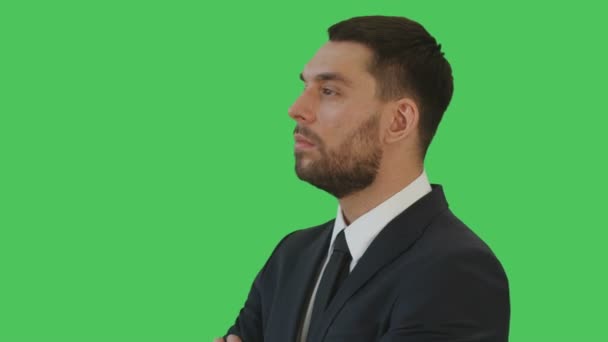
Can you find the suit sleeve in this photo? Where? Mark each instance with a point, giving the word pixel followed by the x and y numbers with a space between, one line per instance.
pixel 249 322
pixel 462 298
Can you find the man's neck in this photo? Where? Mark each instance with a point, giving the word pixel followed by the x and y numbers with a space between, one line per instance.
pixel 357 204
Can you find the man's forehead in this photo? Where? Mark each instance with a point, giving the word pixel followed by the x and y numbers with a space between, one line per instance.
pixel 345 58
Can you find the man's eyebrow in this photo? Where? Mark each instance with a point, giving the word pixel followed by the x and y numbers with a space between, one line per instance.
pixel 330 76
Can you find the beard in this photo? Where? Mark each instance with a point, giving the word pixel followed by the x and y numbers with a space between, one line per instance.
pixel 349 168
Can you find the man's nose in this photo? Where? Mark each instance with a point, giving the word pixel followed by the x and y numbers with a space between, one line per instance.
pixel 303 110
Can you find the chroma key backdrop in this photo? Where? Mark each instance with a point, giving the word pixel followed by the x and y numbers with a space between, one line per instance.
pixel 147 170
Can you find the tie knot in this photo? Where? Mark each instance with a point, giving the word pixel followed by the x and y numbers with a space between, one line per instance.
pixel 340 244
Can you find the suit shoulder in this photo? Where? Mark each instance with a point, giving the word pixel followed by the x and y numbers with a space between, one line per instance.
pixel 291 246
pixel 447 242
pixel 457 278
pixel 453 235
pixel 301 238
pixel 293 242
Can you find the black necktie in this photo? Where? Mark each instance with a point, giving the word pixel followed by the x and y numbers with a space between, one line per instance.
pixel 335 273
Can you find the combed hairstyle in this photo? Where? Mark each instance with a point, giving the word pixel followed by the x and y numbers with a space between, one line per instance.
pixel 406 61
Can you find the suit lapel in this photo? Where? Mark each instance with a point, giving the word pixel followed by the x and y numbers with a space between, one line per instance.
pixel 396 237
pixel 293 295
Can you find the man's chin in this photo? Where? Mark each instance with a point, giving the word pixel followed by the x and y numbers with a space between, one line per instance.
pixel 303 162
pixel 304 171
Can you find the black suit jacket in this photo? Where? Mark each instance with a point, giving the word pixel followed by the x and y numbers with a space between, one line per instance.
pixel 425 277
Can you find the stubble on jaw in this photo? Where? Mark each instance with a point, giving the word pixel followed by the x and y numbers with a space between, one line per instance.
pixel 351 167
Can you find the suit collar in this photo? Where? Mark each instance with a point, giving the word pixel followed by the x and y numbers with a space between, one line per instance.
pixel 396 238
pixel 362 231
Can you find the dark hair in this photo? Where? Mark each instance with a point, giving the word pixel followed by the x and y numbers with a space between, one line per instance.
pixel 407 60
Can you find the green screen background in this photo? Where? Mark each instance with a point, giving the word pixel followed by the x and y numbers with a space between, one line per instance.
pixel 146 158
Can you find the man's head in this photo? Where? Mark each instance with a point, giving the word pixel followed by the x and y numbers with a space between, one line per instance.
pixel 374 95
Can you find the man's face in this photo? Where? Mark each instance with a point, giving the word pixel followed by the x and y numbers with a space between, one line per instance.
pixel 339 114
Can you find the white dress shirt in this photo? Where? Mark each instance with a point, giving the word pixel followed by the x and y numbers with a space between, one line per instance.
pixel 361 232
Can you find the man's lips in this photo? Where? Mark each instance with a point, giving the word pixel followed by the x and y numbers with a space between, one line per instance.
pixel 302 142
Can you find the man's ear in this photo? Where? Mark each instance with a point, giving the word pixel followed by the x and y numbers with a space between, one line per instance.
pixel 404 117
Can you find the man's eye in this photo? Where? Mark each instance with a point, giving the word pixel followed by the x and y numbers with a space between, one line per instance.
pixel 327 91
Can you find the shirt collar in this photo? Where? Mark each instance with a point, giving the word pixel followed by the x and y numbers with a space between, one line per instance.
pixel 361 232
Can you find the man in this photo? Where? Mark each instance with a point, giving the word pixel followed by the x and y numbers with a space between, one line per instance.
pixel 395 264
